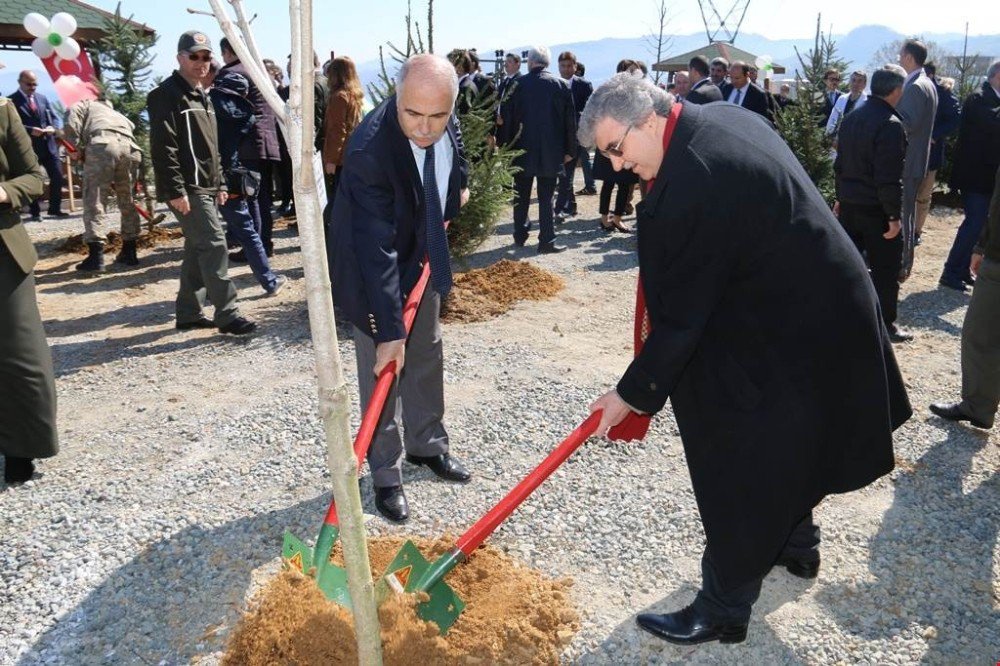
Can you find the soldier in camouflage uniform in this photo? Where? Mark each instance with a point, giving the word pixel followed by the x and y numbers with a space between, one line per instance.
pixel 110 158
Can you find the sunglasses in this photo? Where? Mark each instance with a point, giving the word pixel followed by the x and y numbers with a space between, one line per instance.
pixel 194 57
pixel 616 150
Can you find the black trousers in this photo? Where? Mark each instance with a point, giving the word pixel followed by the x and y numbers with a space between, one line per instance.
pixel 621 198
pixel 733 606
pixel 54 170
pixel 522 193
pixel 865 225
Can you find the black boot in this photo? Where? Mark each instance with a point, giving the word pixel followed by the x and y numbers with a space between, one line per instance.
pixel 94 260
pixel 18 470
pixel 128 254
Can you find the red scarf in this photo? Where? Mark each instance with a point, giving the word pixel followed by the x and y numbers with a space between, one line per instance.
pixel 634 426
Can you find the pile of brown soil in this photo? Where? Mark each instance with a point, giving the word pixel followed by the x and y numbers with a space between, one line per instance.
pixel 485 293
pixel 147 240
pixel 513 615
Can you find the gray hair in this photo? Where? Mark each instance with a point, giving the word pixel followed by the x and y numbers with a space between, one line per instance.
pixel 539 55
pixel 626 98
pixel 887 79
pixel 428 66
pixel 994 68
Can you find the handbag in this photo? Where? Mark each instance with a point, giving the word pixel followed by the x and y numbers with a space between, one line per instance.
pixel 242 182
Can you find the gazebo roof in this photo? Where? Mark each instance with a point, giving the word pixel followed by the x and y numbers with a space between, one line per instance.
pixel 90 21
pixel 711 51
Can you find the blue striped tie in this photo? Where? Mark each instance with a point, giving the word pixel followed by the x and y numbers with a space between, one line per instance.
pixel 437 239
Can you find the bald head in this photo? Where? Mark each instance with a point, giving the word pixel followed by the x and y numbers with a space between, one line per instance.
pixel 426 89
pixel 427 69
pixel 28 81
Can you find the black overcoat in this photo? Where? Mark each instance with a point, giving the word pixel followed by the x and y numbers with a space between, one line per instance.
pixel 767 337
pixel 540 119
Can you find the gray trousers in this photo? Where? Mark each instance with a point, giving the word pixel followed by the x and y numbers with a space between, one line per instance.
pixel 205 266
pixel 27 386
pixel 911 187
pixel 416 400
pixel 981 346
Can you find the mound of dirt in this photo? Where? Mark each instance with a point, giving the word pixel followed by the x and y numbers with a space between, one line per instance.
pixel 484 293
pixel 514 615
pixel 147 240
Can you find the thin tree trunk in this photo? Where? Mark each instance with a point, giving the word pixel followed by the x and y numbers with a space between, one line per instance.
pixel 334 396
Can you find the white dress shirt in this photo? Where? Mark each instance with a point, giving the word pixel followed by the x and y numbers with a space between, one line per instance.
pixel 739 94
pixel 444 155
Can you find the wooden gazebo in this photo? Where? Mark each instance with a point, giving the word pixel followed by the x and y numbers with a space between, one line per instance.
pixel 90 22
pixel 714 50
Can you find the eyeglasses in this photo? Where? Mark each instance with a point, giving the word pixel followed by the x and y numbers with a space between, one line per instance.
pixel 194 57
pixel 616 150
pixel 833 79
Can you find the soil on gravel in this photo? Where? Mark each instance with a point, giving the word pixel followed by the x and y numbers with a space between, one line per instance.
pixel 484 293
pixel 148 240
pixel 513 615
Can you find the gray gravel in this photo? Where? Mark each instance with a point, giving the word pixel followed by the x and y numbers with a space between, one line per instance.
pixel 186 455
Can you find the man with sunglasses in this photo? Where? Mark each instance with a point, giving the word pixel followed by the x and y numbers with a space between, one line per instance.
pixel 184 145
pixel 830 96
pixel 763 331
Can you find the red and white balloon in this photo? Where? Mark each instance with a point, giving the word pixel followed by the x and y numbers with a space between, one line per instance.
pixel 53 37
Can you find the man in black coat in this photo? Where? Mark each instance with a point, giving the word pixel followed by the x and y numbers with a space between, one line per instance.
pixel 869 170
pixel 742 92
pixel 977 157
pixel 703 91
pixel 581 89
pixel 539 119
pixel 404 174
pixel 765 336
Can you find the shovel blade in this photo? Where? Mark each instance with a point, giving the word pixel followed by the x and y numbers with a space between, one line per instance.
pixel 403 575
pixel 295 554
pixel 332 582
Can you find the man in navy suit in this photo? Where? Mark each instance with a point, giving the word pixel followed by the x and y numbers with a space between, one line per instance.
pixel 703 90
pixel 742 92
pixel 39 119
pixel 404 174
pixel 581 89
pixel 539 119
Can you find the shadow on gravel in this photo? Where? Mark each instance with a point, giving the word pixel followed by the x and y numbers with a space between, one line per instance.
pixel 147 314
pixel 932 558
pixel 762 645
pixel 925 309
pixel 178 598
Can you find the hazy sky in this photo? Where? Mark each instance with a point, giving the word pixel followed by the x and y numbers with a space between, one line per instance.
pixel 358 28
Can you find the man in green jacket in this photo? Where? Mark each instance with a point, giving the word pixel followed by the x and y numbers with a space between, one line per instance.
pixel 27 387
pixel 185 154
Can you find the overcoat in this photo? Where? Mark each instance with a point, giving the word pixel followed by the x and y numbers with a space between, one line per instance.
pixel 766 337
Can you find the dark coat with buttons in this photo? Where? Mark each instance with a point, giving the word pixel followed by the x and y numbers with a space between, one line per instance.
pixel 766 337
pixel 376 236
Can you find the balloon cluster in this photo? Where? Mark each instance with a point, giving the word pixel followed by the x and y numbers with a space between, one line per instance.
pixel 53 37
pixel 764 63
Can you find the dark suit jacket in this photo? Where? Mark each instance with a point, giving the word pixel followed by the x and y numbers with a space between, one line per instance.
pixel 977 152
pixel 541 109
pixel 22 180
pixel 946 120
pixel 755 99
pixel 45 146
pixel 582 89
pixel 376 236
pixel 766 333
pixel 704 92
pixel 265 145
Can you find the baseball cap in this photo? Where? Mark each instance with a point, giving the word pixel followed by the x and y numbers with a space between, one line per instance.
pixel 194 40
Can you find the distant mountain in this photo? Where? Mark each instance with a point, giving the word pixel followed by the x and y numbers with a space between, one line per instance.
pixel 857 47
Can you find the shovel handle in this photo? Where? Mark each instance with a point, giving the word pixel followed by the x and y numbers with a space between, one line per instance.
pixel 383 384
pixel 486 525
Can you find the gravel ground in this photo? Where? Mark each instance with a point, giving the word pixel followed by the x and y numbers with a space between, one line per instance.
pixel 186 455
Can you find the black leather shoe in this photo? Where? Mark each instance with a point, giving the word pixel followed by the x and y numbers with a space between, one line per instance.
pixel 801 568
pixel 519 242
pixel 550 248
pixel 953 412
pixel 18 470
pixel 444 466
pixel 197 323
pixel 969 280
pixel 587 191
pixel 391 503
pixel 957 285
pixel 897 335
pixel 688 627
pixel 239 326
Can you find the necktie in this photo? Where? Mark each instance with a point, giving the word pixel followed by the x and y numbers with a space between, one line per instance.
pixel 437 239
pixel 32 104
pixel 739 97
